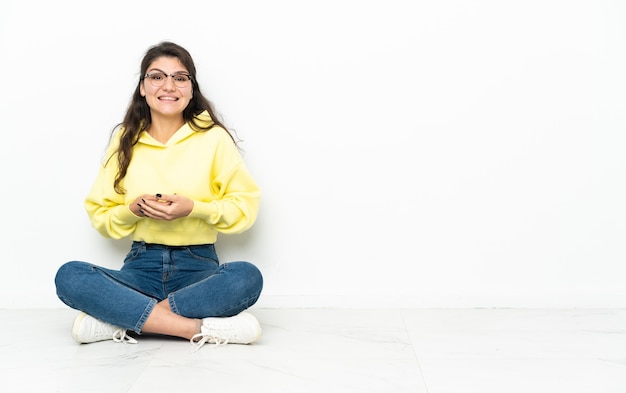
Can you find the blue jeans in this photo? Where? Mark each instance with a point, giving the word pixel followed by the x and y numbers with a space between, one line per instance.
pixel 189 277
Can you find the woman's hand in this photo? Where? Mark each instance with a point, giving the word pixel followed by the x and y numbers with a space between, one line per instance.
pixel 162 206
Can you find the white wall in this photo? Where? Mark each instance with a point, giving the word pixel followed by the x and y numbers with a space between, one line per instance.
pixel 412 153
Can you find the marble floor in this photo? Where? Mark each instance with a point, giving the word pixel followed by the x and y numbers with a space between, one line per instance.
pixel 333 350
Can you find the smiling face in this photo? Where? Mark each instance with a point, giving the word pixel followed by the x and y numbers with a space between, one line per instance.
pixel 167 100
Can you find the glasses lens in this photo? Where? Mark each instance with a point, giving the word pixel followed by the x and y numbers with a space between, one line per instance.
pixel 157 78
pixel 181 80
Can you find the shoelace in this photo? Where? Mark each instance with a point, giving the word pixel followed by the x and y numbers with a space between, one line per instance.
pixel 120 336
pixel 199 339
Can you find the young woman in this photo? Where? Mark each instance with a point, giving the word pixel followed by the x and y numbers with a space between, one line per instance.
pixel 172 179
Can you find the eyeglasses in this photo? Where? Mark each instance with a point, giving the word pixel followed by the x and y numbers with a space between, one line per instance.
pixel 157 79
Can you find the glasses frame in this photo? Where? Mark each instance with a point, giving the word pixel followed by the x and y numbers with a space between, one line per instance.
pixel 156 84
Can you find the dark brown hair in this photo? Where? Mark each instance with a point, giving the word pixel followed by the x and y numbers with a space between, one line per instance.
pixel 138 117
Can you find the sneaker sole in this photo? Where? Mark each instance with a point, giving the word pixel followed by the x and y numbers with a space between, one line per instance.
pixel 254 322
pixel 76 326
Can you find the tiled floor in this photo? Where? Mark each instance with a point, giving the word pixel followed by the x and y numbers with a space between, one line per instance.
pixel 333 350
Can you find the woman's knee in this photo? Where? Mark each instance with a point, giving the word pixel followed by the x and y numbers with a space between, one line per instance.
pixel 248 272
pixel 68 274
pixel 69 269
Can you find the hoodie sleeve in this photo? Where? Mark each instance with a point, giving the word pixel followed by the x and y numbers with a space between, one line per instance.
pixel 107 209
pixel 234 204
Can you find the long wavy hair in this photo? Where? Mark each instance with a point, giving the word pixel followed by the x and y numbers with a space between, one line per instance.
pixel 138 117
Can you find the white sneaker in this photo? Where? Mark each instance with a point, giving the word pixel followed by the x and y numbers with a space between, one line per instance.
pixel 242 328
pixel 88 329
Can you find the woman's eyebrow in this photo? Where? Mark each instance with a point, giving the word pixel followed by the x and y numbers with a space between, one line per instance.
pixel 173 73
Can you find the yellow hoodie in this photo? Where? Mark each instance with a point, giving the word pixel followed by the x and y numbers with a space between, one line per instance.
pixel 203 166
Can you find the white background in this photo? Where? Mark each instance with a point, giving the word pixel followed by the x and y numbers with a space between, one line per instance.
pixel 411 153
